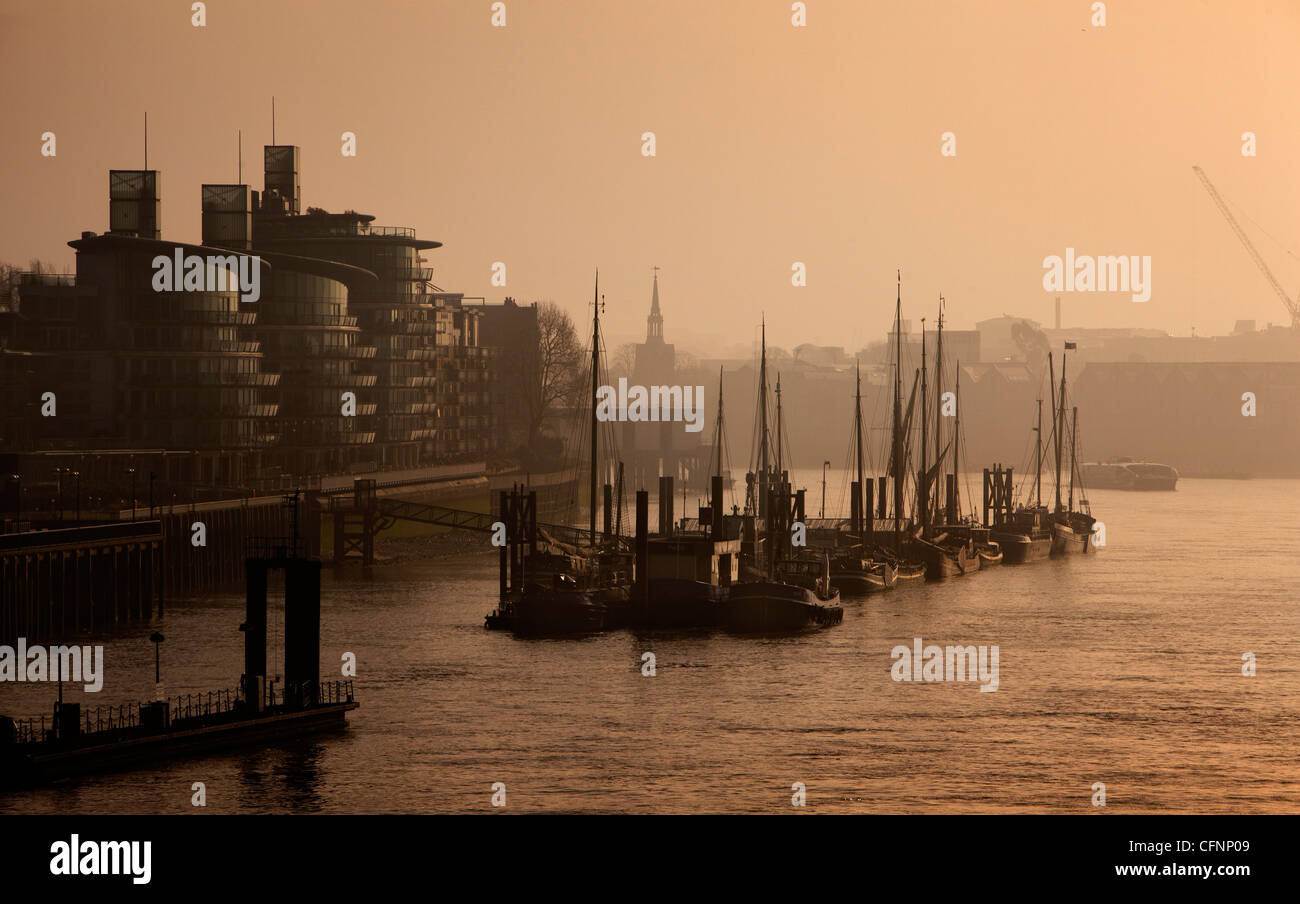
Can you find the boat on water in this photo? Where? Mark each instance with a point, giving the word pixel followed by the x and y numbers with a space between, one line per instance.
pixel 770 607
pixel 941 540
pixel 990 555
pixel 573 587
pixel 854 575
pixel 909 571
pixel 1025 537
pixel 944 559
pixel 562 608
pixel 689 574
pixel 1127 474
pixel 1071 528
pixel 793 602
pixel 858 565
pixel 1034 532
pixel 1070 533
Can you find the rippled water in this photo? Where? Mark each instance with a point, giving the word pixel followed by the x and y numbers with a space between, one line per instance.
pixel 1123 668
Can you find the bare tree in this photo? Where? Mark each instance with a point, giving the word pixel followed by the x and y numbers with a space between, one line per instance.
pixel 623 362
pixel 553 374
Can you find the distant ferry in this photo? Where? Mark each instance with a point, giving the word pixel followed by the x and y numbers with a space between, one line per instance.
pixel 1126 474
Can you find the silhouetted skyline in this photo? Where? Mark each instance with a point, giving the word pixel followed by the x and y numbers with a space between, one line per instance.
pixel 774 144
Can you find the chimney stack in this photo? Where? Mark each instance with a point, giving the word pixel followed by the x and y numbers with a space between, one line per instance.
pixel 228 216
pixel 134 205
pixel 282 194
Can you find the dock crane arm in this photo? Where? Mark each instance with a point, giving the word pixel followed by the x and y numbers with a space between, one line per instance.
pixel 1292 306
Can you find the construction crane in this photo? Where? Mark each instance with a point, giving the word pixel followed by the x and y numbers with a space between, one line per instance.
pixel 1292 305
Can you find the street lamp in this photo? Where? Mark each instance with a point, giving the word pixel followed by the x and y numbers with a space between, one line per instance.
pixel 132 470
pixel 77 475
pixel 825 465
pixel 59 471
pixel 157 639
pixel 151 494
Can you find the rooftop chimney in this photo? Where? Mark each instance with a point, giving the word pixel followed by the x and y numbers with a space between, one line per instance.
pixel 134 204
pixel 228 216
pixel 281 194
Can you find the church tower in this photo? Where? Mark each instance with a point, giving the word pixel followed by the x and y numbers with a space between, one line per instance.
pixel 655 322
pixel 656 360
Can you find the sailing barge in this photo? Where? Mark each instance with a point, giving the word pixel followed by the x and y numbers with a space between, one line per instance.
pixel 1031 533
pixel 742 571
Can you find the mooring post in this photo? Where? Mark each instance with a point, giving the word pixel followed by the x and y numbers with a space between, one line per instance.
pixel 642 576
pixel 503 502
pixel 609 511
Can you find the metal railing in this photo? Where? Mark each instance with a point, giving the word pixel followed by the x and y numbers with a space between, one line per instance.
pixel 202 705
pixel 199 708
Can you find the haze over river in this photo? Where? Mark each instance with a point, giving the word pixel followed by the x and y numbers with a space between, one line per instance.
pixel 1124 668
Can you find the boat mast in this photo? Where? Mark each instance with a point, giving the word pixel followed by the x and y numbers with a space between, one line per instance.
pixel 1051 389
pixel 779 478
pixel 938 411
pixel 1038 456
pixel 956 441
pixel 717 440
pixel 1074 435
pixel 761 506
pixel 922 479
pixel 595 392
pixel 1060 432
pixel 857 427
pixel 896 452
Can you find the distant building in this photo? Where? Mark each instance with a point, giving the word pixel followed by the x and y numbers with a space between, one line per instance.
pixel 464 421
pixel 350 360
pixel 820 355
pixel 666 448
pixel 997 337
pixel 509 330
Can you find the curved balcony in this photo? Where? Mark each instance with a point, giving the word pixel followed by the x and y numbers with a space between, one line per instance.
pixel 269 318
pixel 237 318
pixel 226 412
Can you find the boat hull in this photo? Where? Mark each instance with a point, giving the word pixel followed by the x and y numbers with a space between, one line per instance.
pixel 942 562
pixel 877 578
pixel 543 612
pixel 910 571
pixel 770 607
pixel 1067 541
pixel 1020 549
pixel 674 603
pixel 1130 476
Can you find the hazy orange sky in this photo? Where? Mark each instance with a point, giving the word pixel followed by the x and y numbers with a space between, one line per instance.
pixel 775 144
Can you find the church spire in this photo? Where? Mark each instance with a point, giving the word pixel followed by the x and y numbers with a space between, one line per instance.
pixel 655 322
